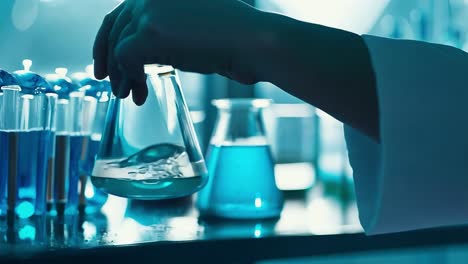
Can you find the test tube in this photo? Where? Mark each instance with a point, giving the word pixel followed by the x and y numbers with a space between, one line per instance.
pixel 87 137
pixel 42 114
pixel 11 104
pixel 75 108
pixel 100 116
pixel 1 103
pixel 9 124
pixel 26 142
pixel 6 79
pixel 87 116
pixel 91 198
pixel 32 144
pixel 3 157
pixel 62 154
pixel 12 172
pixel 51 128
pixel 82 109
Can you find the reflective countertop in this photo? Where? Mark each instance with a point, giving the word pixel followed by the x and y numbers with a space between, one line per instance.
pixel 320 221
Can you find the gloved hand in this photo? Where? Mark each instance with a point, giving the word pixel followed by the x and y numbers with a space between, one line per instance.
pixel 326 67
pixel 205 36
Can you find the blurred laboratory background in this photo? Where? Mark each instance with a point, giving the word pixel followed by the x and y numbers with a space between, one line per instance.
pixel 60 33
pixel 307 144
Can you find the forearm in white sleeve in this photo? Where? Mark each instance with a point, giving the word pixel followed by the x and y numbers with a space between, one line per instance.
pixel 417 176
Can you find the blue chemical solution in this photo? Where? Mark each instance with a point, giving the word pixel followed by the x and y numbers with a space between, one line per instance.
pixel 42 167
pixel 27 232
pixel 241 183
pixel 61 177
pixel 82 155
pixel 76 152
pixel 95 198
pixel 93 149
pixel 3 172
pixel 50 168
pixel 29 157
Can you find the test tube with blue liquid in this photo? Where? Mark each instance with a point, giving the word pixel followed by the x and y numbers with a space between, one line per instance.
pixel 50 128
pixel 6 79
pixel 28 131
pixel 24 136
pixel 58 188
pixel 77 113
pixel 95 198
pixel 82 111
pixel 95 106
pixel 62 155
pixel 46 98
pixel 241 181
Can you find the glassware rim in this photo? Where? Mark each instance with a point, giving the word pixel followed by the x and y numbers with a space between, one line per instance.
pixel 158 69
pixel 238 103
pixel 13 87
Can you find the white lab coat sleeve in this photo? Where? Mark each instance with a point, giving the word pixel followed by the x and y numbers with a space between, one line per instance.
pixel 417 176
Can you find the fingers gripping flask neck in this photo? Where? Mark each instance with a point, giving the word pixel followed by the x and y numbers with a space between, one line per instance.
pixel 150 152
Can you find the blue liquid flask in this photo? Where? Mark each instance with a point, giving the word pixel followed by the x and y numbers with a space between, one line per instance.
pixel 241 181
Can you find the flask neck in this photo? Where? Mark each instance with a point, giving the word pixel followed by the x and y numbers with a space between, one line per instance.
pixel 239 126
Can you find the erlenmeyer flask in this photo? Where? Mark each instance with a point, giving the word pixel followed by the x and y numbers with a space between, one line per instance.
pixel 241 168
pixel 150 152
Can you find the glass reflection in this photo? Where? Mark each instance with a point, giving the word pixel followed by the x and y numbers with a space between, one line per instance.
pixel 27 232
pixel 183 228
pixel 158 220
pixel 152 212
pixel 91 229
pixel 214 228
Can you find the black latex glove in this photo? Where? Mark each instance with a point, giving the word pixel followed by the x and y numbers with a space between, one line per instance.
pixel 327 67
pixel 204 36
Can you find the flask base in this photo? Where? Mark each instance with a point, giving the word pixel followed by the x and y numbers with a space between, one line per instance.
pixel 237 212
pixel 149 189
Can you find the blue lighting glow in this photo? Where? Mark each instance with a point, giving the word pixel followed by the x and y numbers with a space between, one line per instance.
pixel 27 232
pixel 25 209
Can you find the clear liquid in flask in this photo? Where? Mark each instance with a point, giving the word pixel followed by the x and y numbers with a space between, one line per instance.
pixel 150 152
pixel 159 171
pixel 95 198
